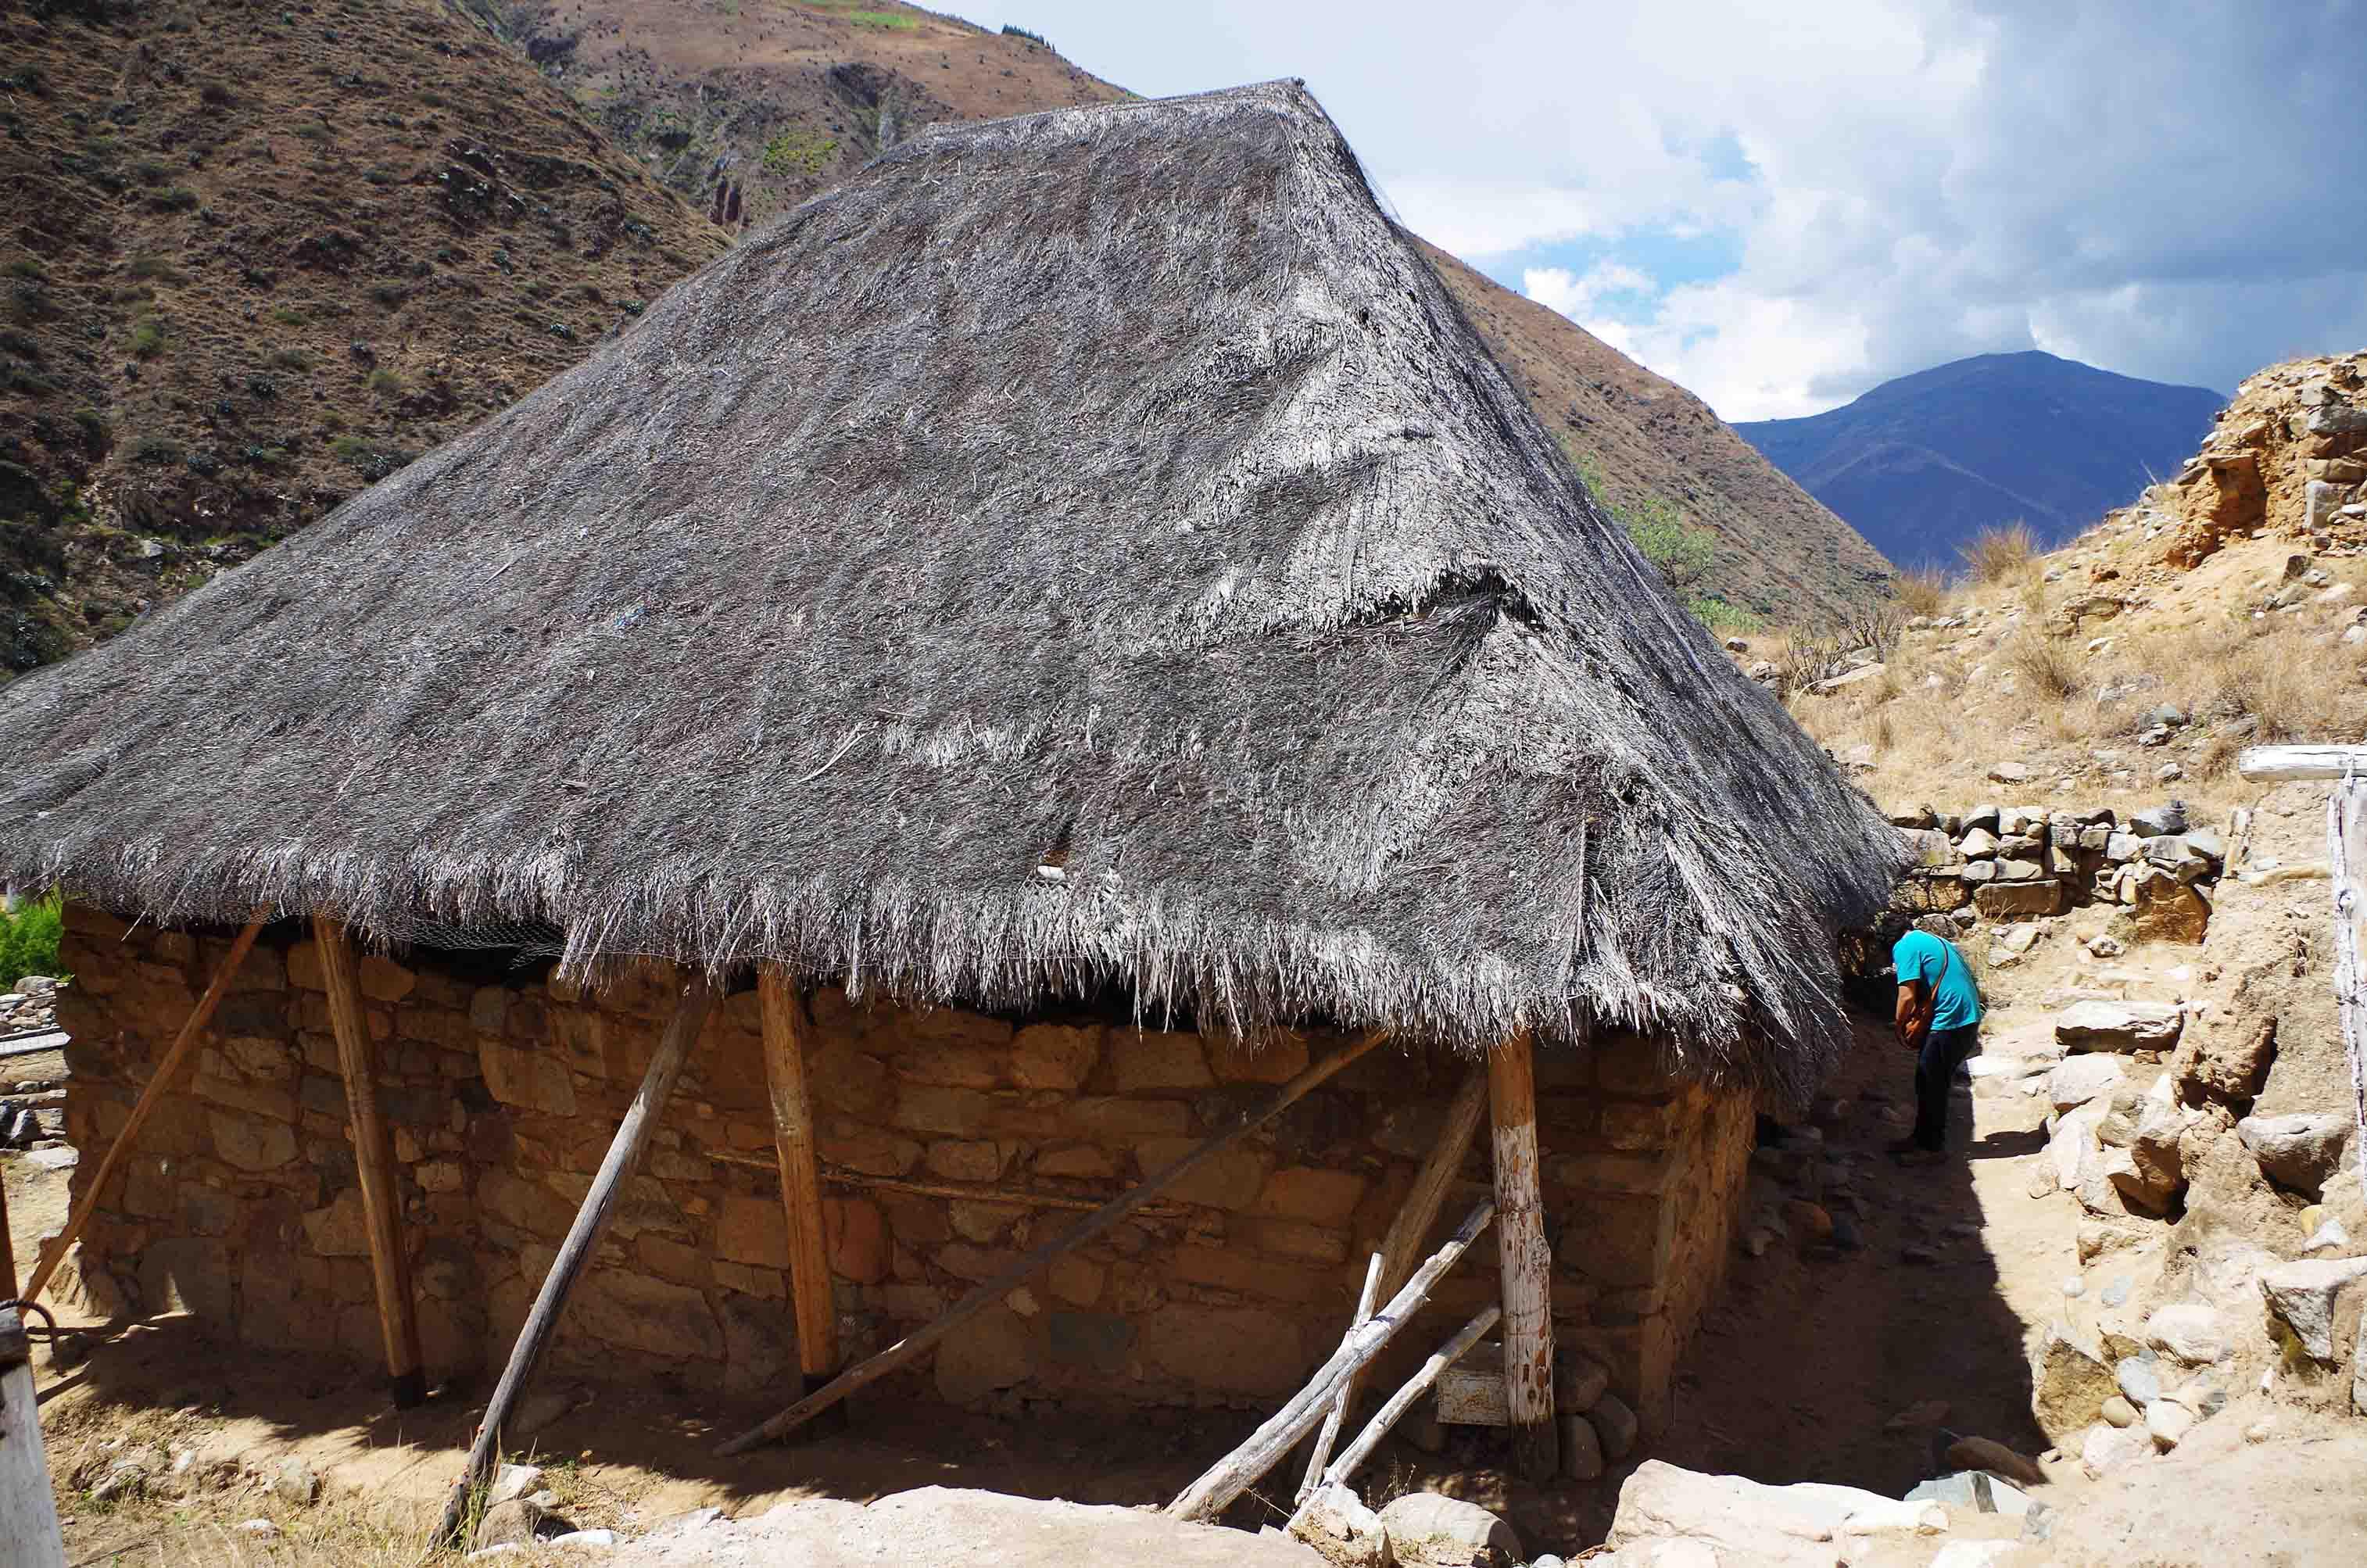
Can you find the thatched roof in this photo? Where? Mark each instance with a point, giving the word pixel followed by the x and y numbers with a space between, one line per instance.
pixel 1086 550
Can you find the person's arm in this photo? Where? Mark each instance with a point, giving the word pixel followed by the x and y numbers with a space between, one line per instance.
pixel 1913 1016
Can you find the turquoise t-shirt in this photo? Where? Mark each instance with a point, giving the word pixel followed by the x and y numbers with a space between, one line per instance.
pixel 1955 1000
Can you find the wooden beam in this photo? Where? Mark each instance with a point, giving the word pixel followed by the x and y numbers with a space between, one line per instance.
pixel 1402 1400
pixel 793 1146
pixel 1099 1223
pixel 624 1156
pixel 398 1314
pixel 2283 764
pixel 1525 1262
pixel 30 1536
pixel 158 1082
pixel 965 1191
pixel 1330 1433
pixel 1214 1491
pixel 2346 834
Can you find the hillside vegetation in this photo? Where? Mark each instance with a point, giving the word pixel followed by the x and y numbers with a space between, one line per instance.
pixel 261 255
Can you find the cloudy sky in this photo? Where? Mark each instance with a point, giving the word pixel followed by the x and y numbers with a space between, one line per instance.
pixel 1781 204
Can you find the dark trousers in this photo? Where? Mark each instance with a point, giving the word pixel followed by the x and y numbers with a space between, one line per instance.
pixel 1945 1051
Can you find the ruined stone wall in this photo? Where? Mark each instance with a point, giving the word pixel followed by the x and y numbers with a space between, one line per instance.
pixel 950 1140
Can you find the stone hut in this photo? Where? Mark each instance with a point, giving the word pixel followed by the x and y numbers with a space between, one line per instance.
pixel 1079 614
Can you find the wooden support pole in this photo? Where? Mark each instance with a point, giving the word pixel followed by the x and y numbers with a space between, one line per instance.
pixel 1525 1262
pixel 2346 840
pixel 29 1537
pixel 793 1144
pixel 150 1097
pixel 1099 1223
pixel 1214 1491
pixel 398 1314
pixel 1388 1414
pixel 583 1237
pixel 2283 764
pixel 1330 1433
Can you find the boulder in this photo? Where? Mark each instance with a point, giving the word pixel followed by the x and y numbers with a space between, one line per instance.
pixel 1615 1424
pixel 2070 1144
pixel 2106 1449
pixel 1984 817
pixel 2068 1384
pixel 1343 1531
pixel 1927 847
pixel 2158 821
pixel 2009 772
pixel 1427 1530
pixel 1979 844
pixel 2300 1150
pixel 2119 1026
pixel 1742 1521
pixel 2013 900
pixel 2166 1422
pixel 2151 1173
pixel 1581 1449
pixel 2190 1333
pixel 2305 1295
pixel 2084 1079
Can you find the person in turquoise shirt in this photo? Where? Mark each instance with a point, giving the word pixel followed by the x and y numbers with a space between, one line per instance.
pixel 1939 1018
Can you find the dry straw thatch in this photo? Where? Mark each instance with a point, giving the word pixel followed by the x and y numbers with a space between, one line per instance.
pixel 1086 550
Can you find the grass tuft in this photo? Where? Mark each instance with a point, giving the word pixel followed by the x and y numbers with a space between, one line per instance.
pixel 1997 555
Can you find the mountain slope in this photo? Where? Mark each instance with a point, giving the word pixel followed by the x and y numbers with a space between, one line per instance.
pixel 261 255
pixel 1780 551
pixel 776 100
pixel 1920 464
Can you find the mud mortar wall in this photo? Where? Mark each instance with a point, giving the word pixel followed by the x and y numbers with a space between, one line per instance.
pixel 502 1089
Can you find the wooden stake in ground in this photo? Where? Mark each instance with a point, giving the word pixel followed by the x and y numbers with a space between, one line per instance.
pixel 1214 1491
pixel 1099 1223
pixel 8 1251
pixel 397 1315
pixel 583 1237
pixel 793 1143
pixel 167 1065
pixel 1526 1262
pixel 29 1514
pixel 2346 843
pixel 1402 1400
pixel 1330 1433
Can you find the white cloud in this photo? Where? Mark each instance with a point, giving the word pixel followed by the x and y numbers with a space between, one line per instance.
pixel 2169 190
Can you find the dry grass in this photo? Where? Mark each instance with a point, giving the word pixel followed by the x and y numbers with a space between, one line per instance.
pixel 2000 554
pixel 2043 666
pixel 1921 592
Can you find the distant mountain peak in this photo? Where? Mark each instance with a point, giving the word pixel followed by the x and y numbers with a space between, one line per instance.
pixel 1922 463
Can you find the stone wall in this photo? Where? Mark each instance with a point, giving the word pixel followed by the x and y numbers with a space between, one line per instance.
pixel 948 1137
pixel 2020 862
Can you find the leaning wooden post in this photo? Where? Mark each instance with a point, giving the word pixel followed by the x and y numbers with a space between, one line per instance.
pixel 1235 1473
pixel 398 1314
pixel 793 1144
pixel 583 1237
pixel 1389 1414
pixel 150 1097
pixel 1100 1222
pixel 1525 1262
pixel 1402 1248
pixel 1330 1433
pixel 8 1251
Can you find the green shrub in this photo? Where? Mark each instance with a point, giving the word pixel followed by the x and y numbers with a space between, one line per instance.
pixel 28 939
pixel 797 154
pixel 385 381
pixel 1023 34
pixel 147 336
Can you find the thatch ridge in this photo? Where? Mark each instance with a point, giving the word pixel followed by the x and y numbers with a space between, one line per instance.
pixel 1088 547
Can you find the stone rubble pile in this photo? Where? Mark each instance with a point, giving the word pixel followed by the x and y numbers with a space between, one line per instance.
pixel 1671 1518
pixel 2290 449
pixel 2018 862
